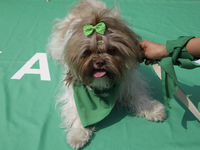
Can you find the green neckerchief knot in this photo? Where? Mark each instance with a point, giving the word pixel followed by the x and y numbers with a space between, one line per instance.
pixel 179 56
pixel 99 28
pixel 94 105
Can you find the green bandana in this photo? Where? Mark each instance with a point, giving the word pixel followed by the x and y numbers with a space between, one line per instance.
pixel 93 105
pixel 180 57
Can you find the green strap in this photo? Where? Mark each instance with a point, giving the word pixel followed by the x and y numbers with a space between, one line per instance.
pixel 94 105
pixel 179 56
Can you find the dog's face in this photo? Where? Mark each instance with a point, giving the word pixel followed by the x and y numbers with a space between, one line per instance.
pixel 92 62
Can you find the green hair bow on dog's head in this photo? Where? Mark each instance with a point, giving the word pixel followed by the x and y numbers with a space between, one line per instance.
pixel 99 28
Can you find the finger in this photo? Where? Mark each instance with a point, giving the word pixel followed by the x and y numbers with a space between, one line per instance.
pixel 141 60
pixel 152 61
pixel 147 62
pixel 142 44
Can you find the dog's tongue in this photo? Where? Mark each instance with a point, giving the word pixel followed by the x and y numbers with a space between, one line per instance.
pixel 99 73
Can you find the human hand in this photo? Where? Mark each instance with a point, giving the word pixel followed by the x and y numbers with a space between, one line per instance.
pixel 153 51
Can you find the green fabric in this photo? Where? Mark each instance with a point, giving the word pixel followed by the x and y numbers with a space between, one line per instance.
pixel 99 28
pixel 179 56
pixel 94 105
pixel 28 119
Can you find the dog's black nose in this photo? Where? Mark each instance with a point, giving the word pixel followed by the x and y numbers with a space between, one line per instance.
pixel 99 63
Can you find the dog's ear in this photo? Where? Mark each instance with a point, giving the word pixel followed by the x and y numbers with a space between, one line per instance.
pixel 69 78
pixel 137 39
pixel 60 35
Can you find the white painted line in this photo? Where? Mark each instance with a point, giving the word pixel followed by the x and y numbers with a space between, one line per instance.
pixel 198 61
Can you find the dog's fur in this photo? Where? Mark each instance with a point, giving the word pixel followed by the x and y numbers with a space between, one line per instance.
pixel 81 56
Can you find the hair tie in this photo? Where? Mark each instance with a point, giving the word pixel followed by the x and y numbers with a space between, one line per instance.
pixel 100 42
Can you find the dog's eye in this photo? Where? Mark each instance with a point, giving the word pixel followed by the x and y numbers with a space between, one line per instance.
pixel 87 53
pixel 111 51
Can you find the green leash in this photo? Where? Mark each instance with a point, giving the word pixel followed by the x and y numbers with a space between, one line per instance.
pixel 179 56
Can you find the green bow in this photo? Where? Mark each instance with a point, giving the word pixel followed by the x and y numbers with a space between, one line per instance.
pixel 99 28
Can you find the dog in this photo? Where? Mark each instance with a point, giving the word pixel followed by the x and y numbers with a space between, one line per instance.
pixel 98 52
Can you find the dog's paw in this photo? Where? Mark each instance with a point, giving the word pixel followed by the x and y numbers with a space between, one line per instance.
pixel 156 111
pixel 78 137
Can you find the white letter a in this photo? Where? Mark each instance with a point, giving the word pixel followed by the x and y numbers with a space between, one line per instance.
pixel 43 71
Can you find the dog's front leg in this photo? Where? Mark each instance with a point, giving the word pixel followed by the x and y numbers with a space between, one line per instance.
pixel 135 96
pixel 77 135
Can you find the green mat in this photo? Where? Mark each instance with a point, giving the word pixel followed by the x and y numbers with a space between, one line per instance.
pixel 29 79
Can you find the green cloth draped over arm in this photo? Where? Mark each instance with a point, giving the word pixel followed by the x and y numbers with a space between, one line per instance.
pixel 179 56
pixel 94 105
